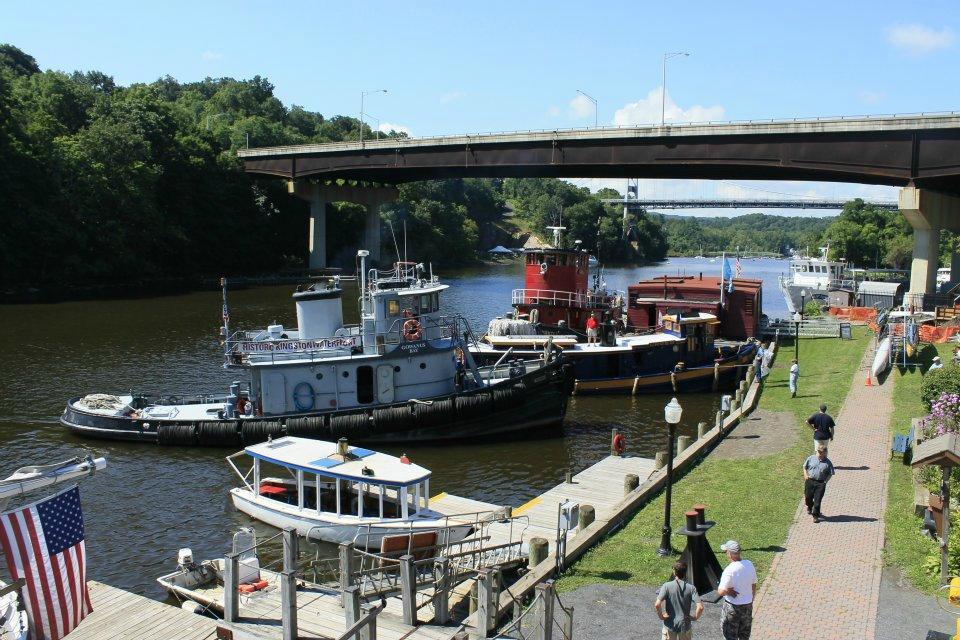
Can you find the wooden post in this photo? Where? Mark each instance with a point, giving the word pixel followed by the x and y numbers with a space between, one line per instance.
pixel 701 429
pixel 659 460
pixel 636 385
pixel 682 443
pixel 545 591
pixel 288 586
pixel 673 381
pixel 351 605
pixel 346 569
pixel 568 625
pixel 408 590
pixel 716 376
pixel 613 436
pixel 587 515
pixel 539 549
pixel 630 482
pixel 484 602
pixel 569 477
pixel 719 424
pixel 231 589
pixel 441 591
pixel 945 534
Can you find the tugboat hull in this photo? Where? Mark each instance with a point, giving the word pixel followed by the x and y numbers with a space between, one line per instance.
pixel 534 400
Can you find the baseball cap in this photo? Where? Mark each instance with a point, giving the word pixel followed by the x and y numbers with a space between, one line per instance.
pixel 730 545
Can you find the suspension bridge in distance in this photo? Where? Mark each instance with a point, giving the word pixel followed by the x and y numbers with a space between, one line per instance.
pixel 739 203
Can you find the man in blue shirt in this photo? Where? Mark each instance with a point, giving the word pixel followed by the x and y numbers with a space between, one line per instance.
pixel 817 470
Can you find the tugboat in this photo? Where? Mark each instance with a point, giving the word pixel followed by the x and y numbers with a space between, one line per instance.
pixel 405 373
pixel 682 353
pixel 815 279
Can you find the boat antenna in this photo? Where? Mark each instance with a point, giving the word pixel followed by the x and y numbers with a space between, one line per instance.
pixel 404 240
pixel 395 247
pixel 226 317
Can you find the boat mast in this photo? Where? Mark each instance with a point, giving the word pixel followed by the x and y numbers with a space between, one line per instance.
pixel 226 318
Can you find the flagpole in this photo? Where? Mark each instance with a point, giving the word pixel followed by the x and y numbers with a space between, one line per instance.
pixel 723 260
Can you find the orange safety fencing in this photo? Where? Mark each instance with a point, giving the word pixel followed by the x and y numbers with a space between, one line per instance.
pixel 937 335
pixel 866 315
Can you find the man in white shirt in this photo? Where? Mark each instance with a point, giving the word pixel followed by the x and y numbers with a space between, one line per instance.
pixel 738 586
pixel 794 378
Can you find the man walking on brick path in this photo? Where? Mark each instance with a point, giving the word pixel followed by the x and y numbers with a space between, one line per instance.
pixel 738 586
pixel 794 378
pixel 817 470
pixel 673 605
pixel 823 426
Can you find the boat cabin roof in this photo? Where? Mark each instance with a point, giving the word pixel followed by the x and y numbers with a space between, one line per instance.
pixel 320 457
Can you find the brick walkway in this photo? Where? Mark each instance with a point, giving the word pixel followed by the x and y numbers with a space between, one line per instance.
pixel 827 582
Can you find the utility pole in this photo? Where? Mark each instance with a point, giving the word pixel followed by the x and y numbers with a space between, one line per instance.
pixel 663 94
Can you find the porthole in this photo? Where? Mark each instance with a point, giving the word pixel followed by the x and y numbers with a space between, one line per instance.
pixel 423 365
pixel 319 376
pixel 396 369
pixel 346 374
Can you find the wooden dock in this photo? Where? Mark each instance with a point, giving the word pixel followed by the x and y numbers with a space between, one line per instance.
pixel 600 485
pixel 122 614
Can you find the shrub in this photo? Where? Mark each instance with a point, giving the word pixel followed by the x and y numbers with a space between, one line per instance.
pixel 812 309
pixel 939 382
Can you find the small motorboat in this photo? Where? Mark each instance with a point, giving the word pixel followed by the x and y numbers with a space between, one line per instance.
pixel 338 493
pixel 13 618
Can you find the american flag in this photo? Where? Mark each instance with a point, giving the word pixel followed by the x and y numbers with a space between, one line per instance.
pixel 43 544
pixel 738 268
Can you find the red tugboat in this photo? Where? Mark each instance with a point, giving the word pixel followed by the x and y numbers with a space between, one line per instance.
pixel 682 353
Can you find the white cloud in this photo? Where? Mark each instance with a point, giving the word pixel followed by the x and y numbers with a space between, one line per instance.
pixel 211 56
pixel 919 40
pixel 452 96
pixel 581 106
pixel 387 127
pixel 553 111
pixel 870 97
pixel 647 111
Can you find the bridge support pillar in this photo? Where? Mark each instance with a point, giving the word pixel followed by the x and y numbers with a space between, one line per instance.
pixel 319 195
pixel 928 212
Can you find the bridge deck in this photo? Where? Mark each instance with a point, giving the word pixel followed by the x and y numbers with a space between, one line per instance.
pixel 600 485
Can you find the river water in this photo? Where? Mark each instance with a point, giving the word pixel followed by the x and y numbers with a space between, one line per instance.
pixel 151 500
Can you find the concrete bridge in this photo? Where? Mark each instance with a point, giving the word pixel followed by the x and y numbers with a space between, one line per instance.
pixel 920 153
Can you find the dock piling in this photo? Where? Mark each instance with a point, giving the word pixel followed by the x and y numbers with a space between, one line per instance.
pixel 716 376
pixel 630 482
pixel 346 568
pixel 441 589
pixel 539 548
pixel 719 422
pixel 231 589
pixel 701 429
pixel 485 578
pixel 569 477
pixel 659 460
pixel 682 443
pixel 587 515
pixel 351 605
pixel 288 586
pixel 408 589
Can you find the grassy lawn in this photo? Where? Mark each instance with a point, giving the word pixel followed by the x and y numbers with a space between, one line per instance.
pixel 905 547
pixel 752 500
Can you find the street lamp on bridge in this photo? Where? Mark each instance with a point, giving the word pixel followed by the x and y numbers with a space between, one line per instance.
pixel 596 108
pixel 364 94
pixel 663 94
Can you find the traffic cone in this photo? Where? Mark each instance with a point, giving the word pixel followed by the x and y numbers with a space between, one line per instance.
pixel 869 381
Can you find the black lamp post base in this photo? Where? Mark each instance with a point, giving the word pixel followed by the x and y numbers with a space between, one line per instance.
pixel 666 552
pixel 666 549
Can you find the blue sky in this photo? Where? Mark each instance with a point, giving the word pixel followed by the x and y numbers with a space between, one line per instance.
pixel 492 65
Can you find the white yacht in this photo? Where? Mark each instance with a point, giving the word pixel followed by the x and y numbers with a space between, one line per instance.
pixel 816 276
pixel 403 373
pixel 338 493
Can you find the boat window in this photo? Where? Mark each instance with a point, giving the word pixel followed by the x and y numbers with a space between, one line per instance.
pixel 435 303
pixel 365 384
pixel 393 308
pixel 425 303
pixel 551 259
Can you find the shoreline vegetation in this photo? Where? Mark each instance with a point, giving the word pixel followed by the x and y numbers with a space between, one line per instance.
pixel 753 500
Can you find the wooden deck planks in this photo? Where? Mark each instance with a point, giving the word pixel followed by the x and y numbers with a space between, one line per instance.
pixel 599 485
pixel 122 614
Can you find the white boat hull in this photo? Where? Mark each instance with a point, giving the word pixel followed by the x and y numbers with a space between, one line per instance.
pixel 366 532
pixel 14 621
pixel 881 361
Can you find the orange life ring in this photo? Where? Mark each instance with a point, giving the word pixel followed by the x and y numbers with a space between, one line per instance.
pixel 412 330
pixel 619 444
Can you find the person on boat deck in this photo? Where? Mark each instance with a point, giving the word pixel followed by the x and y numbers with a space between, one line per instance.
pixel 592 328
pixel 936 364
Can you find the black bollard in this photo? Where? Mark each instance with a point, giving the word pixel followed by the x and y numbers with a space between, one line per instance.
pixel 703 568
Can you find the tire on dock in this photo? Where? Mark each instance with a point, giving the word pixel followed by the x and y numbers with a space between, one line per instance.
pixel 434 415
pixel 183 435
pixel 257 431
pixel 218 434
pixel 509 398
pixel 350 426
pixel 392 419
pixel 474 406
pixel 315 427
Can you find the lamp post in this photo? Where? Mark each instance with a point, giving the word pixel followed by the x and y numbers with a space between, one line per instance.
pixel 803 297
pixel 596 108
pixel 364 94
pixel 373 117
pixel 796 336
pixel 663 94
pixel 671 413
